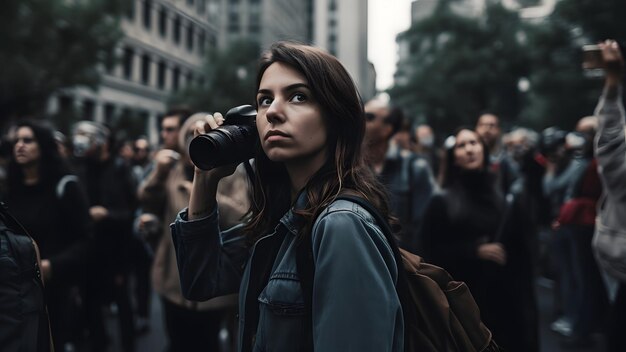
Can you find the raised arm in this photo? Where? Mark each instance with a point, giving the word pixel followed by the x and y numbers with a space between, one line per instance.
pixel 610 140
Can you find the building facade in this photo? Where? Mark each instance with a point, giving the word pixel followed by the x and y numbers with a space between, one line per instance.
pixel 340 26
pixel 165 42
pixel 162 52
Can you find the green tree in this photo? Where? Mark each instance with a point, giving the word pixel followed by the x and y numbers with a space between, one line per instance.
pixel 47 45
pixel 230 79
pixel 462 66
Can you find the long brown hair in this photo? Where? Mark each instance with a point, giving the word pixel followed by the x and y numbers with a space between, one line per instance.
pixel 344 168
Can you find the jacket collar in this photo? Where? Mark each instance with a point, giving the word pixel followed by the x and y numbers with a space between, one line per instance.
pixel 292 221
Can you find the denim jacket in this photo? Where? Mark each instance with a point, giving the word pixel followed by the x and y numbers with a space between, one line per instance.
pixel 355 304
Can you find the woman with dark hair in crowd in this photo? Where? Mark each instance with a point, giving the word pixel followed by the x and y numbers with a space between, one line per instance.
pixel 311 126
pixel 478 237
pixel 48 200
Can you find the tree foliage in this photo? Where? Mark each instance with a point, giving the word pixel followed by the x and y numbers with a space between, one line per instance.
pixel 47 45
pixel 230 79
pixel 462 66
pixel 561 92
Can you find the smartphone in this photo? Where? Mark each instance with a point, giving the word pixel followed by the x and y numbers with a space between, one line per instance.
pixel 592 57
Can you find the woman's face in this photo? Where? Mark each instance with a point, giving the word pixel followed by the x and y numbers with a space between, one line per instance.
pixel 26 148
pixel 289 120
pixel 468 151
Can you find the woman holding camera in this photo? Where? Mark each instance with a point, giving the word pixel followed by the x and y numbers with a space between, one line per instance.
pixel 311 125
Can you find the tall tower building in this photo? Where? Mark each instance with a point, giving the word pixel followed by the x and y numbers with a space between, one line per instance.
pixel 341 28
pixel 265 21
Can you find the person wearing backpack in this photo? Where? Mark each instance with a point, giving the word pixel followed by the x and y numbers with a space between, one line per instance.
pixel 310 126
pixel 609 241
pixel 50 203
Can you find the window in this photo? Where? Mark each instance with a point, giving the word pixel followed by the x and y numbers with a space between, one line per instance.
pixel 161 71
pixel 202 42
pixel 202 6
pixel 190 79
pixel 109 112
pixel 163 22
pixel 212 41
pixel 190 37
pixel 190 2
pixel 147 14
pixel 145 69
pixel 89 108
pixel 175 79
pixel 177 29
pixel 332 5
pixel 128 63
pixel 233 22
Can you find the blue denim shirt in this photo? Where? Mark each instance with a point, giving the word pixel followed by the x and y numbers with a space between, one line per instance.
pixel 355 304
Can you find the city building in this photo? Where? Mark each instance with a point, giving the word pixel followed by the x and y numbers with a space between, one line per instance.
pixel 162 52
pixel 165 41
pixel 265 21
pixel 340 26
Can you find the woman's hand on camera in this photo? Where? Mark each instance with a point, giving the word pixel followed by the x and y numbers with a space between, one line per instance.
pixel 212 122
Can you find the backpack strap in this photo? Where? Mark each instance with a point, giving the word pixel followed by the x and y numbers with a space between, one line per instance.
pixel 306 272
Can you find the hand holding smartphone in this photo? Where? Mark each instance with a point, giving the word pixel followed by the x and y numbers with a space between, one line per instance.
pixel 592 57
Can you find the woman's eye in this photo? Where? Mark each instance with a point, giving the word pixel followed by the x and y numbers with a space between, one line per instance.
pixel 265 101
pixel 298 98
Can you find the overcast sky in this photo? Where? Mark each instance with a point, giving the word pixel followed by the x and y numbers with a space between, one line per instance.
pixel 387 18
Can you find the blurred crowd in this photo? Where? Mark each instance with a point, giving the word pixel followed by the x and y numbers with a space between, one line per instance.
pixel 497 209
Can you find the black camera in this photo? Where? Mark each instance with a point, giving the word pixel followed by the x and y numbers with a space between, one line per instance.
pixel 234 141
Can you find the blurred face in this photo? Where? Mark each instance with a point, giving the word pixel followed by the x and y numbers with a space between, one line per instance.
pixel 376 130
pixel 425 136
pixel 170 126
pixel 468 151
pixel 289 120
pixel 141 150
pixel 488 127
pixel 26 149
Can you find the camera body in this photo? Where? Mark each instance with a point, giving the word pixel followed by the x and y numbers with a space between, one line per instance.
pixel 234 141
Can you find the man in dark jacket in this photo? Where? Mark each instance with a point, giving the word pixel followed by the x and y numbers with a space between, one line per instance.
pixel 408 177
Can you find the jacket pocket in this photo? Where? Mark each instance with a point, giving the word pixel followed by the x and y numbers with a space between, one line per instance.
pixel 281 309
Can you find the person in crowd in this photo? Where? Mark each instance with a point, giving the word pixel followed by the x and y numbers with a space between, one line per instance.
pixel 488 128
pixel 190 326
pixel 311 126
pixel 611 155
pixel 407 177
pixel 141 158
pixel 44 195
pixel 530 166
pixel 478 236
pixel 111 195
pixel 126 152
pixel 582 285
pixel 426 148
pixel 141 254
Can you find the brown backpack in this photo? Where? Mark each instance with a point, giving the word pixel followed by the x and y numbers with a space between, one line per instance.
pixel 440 314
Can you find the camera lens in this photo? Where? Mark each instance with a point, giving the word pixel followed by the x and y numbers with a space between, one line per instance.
pixel 227 144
